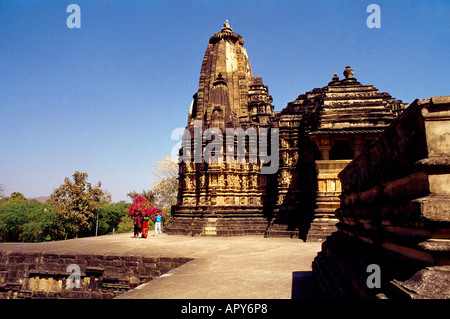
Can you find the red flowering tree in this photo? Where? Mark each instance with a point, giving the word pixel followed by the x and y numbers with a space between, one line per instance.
pixel 143 205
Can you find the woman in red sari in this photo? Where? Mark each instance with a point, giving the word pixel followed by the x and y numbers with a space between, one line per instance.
pixel 145 226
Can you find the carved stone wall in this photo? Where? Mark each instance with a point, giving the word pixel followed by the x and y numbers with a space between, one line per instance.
pixel 44 275
pixel 395 212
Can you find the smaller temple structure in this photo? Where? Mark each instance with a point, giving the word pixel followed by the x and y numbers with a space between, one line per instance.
pixel 338 121
pixel 393 237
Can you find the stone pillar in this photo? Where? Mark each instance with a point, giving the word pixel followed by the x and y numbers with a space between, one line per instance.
pixel 324 151
pixel 329 189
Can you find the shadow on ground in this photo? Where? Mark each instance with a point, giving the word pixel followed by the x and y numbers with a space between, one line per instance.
pixel 304 286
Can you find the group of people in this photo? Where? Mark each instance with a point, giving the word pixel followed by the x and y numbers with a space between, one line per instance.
pixel 141 225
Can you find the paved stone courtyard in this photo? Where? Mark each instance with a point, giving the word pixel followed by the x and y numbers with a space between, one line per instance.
pixel 222 267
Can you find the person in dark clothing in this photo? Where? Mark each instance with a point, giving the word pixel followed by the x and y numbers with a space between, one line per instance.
pixel 137 225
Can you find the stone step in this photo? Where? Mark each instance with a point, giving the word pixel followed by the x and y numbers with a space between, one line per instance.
pixel 328 199
pixel 321 228
pixel 322 236
pixel 318 229
pixel 325 210
pixel 210 228
pixel 325 220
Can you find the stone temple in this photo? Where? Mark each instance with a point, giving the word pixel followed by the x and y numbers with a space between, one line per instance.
pixel 309 143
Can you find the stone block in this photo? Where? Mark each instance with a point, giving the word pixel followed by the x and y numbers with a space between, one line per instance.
pixel 436 209
pixel 409 187
pixel 428 283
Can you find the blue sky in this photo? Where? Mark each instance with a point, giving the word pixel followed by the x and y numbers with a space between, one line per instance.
pixel 105 98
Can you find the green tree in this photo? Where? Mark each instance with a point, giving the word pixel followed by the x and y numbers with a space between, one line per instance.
pixel 12 217
pixel 26 221
pixel 16 197
pixel 110 216
pixel 40 224
pixel 126 225
pixel 76 204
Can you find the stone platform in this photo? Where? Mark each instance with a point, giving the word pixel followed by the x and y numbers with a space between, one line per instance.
pixel 221 267
pixel 213 226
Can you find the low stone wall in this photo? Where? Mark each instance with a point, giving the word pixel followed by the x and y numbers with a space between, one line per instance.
pixel 45 275
pixel 216 226
pixel 394 217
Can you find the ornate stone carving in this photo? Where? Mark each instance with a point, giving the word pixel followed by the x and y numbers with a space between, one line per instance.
pixel 221 180
pixel 229 96
pixel 188 182
pixel 202 180
pixel 254 181
pixel 244 182
pixel 285 177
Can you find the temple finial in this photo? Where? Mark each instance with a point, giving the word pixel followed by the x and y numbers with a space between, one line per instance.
pixel 348 72
pixel 226 27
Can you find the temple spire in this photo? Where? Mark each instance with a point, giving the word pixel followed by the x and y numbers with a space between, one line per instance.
pixel 225 67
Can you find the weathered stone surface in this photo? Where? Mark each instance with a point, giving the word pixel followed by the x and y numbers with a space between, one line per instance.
pixel 395 212
pixel 44 275
pixel 428 283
